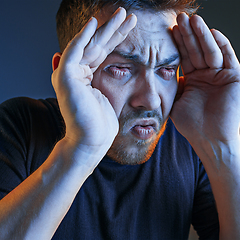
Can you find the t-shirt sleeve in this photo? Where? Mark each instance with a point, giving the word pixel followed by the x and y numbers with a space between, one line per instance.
pixel 204 215
pixel 29 129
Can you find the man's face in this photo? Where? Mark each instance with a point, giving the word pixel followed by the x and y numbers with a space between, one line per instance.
pixel 140 80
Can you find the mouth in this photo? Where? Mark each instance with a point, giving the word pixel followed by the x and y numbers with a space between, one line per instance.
pixel 144 129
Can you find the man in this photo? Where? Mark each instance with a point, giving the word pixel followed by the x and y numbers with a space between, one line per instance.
pixel 116 85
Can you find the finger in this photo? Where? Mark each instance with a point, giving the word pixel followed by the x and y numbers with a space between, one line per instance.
pixel 211 51
pixel 74 50
pixel 105 32
pixel 186 63
pixel 102 36
pixel 191 42
pixel 229 56
pixel 119 35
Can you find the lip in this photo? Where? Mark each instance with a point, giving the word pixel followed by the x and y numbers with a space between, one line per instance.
pixel 144 128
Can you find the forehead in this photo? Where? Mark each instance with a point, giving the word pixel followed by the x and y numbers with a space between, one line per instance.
pixel 152 36
pixel 154 21
pixel 151 39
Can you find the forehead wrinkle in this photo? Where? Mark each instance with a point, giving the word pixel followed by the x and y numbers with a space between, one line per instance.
pixel 142 55
pixel 150 30
pixel 152 57
pixel 137 58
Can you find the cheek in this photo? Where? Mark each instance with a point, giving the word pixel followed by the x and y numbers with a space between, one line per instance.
pixel 113 92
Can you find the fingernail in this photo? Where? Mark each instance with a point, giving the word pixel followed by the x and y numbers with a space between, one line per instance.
pixel 119 9
pixel 91 19
pixel 131 17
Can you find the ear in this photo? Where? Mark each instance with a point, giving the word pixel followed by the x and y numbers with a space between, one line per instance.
pixel 55 60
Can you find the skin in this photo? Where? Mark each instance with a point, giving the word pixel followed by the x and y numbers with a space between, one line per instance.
pixel 135 78
pixel 206 112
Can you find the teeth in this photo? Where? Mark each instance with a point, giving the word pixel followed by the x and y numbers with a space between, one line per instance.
pixel 144 131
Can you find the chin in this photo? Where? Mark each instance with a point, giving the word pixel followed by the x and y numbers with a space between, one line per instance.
pixel 128 151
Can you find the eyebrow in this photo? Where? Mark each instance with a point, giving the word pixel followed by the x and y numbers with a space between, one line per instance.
pixel 137 58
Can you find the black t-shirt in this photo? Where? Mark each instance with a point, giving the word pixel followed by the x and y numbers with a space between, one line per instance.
pixel 155 200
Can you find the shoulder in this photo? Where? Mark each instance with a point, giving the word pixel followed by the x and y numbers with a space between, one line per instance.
pixel 29 129
pixel 29 116
pixel 25 103
pixel 28 107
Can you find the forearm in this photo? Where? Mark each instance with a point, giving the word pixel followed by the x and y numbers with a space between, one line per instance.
pixel 37 206
pixel 222 164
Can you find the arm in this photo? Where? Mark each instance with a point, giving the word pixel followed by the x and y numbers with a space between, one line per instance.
pixel 207 112
pixel 37 206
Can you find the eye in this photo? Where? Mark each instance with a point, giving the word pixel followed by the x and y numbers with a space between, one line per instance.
pixel 167 73
pixel 118 72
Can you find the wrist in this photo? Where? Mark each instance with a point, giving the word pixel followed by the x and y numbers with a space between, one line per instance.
pixel 219 157
pixel 79 154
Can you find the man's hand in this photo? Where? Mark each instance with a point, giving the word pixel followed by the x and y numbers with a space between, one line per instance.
pixel 207 112
pixel 208 105
pixel 90 119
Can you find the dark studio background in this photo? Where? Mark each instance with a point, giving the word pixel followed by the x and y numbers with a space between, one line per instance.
pixel 28 41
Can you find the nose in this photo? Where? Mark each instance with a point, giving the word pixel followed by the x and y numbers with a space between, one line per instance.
pixel 145 95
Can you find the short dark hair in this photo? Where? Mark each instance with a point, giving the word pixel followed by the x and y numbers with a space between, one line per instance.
pixel 73 14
